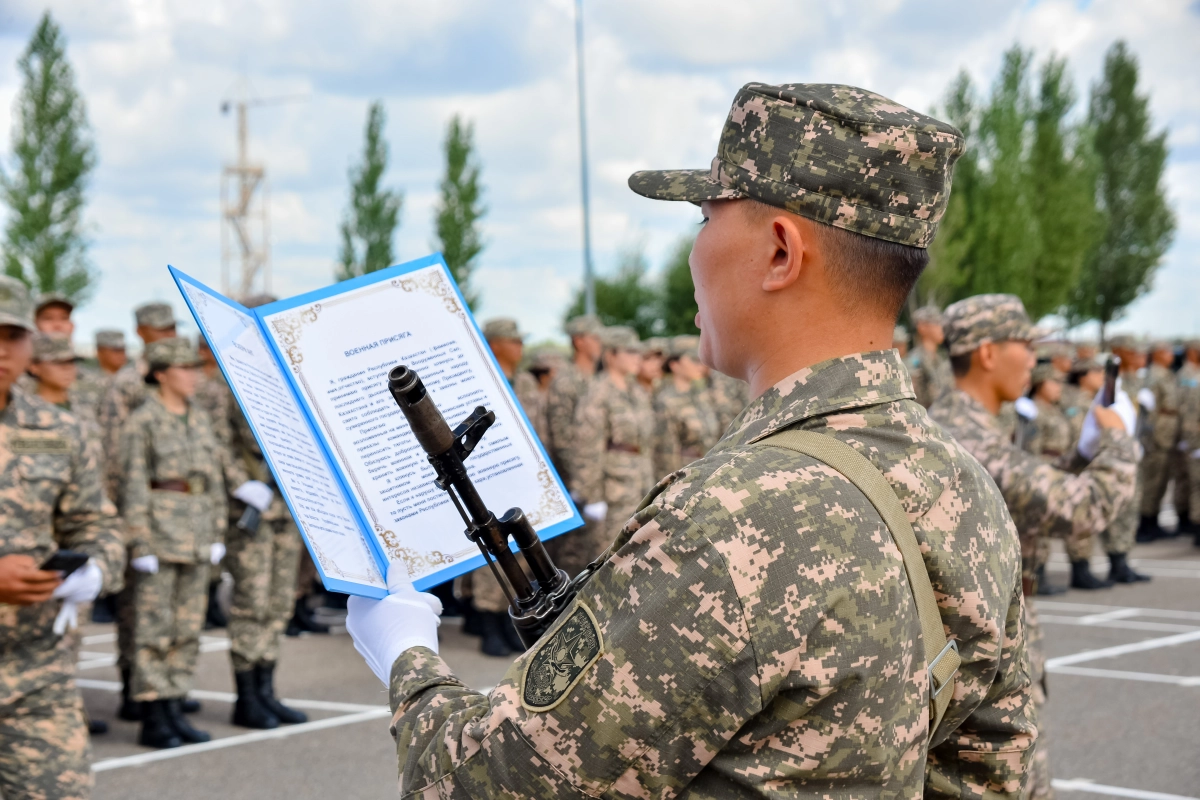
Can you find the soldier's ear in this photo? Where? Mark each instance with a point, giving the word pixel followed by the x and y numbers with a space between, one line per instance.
pixel 793 250
pixel 985 356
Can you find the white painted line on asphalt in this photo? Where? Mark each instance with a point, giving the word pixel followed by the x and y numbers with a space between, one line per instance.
pixel 100 638
pixel 1163 613
pixel 1108 616
pixel 1085 785
pixel 236 741
pixel 208 644
pixel 1123 649
pixel 229 697
pixel 1122 675
pixel 1125 624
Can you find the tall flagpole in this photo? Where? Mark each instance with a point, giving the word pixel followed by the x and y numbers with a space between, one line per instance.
pixel 589 287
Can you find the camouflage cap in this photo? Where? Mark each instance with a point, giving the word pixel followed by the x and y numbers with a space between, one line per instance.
pixel 1054 350
pixel 1086 365
pixel 15 306
pixel 546 360
pixel 155 315
pixel 900 334
pixel 928 313
pixel 586 325
pixel 1160 344
pixel 988 318
pixel 1126 341
pixel 112 339
pixel 1045 372
pixel 835 154
pixel 53 299
pixel 620 337
pixel 501 328
pixel 52 348
pixel 658 344
pixel 177 351
pixel 685 346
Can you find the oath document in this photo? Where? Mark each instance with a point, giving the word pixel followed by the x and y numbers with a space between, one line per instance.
pixel 311 375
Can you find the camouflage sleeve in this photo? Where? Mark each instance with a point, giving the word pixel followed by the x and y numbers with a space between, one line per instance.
pixel 666 442
pixel 920 381
pixel 1052 502
pixel 990 753
pixel 85 518
pixel 114 411
pixel 588 447
pixel 560 421
pixel 627 698
pixel 133 493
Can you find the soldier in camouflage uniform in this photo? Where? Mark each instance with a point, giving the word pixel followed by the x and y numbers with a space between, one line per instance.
pixel 1052 438
pixel 55 370
pixel 1189 436
pixel 173 500
pixel 751 630
pixel 613 465
pixel 127 391
pixel 928 366
pixel 685 422
pixel 1162 437
pixel 728 397
pixel 989 338
pixel 50 498
pixel 1086 379
pixel 214 398
pixel 1119 537
pixel 654 356
pixel 900 340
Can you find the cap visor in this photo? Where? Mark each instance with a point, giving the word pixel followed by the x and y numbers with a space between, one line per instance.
pixel 17 321
pixel 691 185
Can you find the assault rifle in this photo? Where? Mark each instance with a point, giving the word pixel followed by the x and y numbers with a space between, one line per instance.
pixel 538 592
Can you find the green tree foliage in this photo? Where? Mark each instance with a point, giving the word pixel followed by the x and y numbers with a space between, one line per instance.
pixel 1136 224
pixel 459 210
pixel 629 297
pixel 44 243
pixel 678 293
pixel 374 212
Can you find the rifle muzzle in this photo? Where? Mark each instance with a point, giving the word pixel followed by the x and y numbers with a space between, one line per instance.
pixel 427 423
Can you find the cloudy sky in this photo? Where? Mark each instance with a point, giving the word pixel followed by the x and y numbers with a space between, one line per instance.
pixel 661 75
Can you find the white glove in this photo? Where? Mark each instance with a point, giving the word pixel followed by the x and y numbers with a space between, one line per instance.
pixel 1089 435
pixel 145 564
pixel 217 553
pixel 255 493
pixel 383 629
pixel 1183 447
pixel 1196 454
pixel 596 512
pixel 1126 411
pixel 1026 408
pixel 81 586
pixel 1145 398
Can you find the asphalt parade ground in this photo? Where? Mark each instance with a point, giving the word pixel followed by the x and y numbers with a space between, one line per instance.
pixel 1123 720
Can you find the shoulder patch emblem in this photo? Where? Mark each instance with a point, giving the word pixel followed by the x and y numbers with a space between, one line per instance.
pixel 560 661
pixel 37 445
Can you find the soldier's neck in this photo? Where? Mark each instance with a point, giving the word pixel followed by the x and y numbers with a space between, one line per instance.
pixel 585 364
pixel 928 346
pixel 618 380
pixel 172 401
pixel 51 394
pixel 978 385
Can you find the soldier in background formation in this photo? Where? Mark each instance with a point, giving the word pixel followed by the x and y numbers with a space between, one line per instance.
pixel 900 340
pixel 686 425
pixel 928 367
pixel 1118 539
pixel 52 499
pixel 990 338
pixel 1188 473
pixel 1159 399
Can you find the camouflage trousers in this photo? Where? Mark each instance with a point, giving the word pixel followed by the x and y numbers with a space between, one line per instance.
pixel 1182 493
pixel 1119 537
pixel 170 608
pixel 1080 549
pixel 1154 472
pixel 126 617
pixel 1193 473
pixel 44 750
pixel 264 567
pixel 1039 787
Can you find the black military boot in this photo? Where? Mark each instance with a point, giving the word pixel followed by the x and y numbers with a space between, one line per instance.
pixel 303 621
pixel 472 623
pixel 157 730
pixel 495 643
pixel 1044 587
pixel 181 725
pixel 189 706
pixel 264 678
pixel 1082 577
pixel 214 617
pixel 1121 572
pixel 130 710
pixel 1148 530
pixel 249 711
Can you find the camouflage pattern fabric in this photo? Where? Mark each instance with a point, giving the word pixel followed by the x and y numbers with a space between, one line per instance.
pixel 613 452
pixel 1189 434
pixel 836 154
pixel 530 397
pixel 1053 437
pixel 1121 535
pixel 50 498
pixel 1040 775
pixel 756 634
pixel 156 445
pixel 1161 439
pixel 1044 499
pixel 728 397
pixel 1074 406
pixel 566 389
pixel 87 393
pixel 169 610
pixel 686 426
pixel 931 374
pixel 987 318
pixel 126 392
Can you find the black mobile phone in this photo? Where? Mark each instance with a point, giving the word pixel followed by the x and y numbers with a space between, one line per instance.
pixel 1108 394
pixel 65 561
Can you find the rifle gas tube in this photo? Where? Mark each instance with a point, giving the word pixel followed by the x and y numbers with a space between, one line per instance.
pixel 538 592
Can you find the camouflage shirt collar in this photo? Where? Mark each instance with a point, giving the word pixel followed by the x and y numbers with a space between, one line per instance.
pixel 839 384
pixel 962 404
pixel 23 409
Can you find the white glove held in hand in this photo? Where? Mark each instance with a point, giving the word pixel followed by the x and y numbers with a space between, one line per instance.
pixel 596 512
pixel 1089 434
pixel 1146 399
pixel 217 553
pixel 1026 408
pixel 255 493
pixel 81 586
pixel 1126 411
pixel 145 564
pixel 383 629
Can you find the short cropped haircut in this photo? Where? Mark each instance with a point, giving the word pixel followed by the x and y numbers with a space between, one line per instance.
pixel 960 364
pixel 863 269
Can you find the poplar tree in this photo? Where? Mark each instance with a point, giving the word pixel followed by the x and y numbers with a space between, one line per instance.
pixel 53 153
pixel 374 212
pixel 460 208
